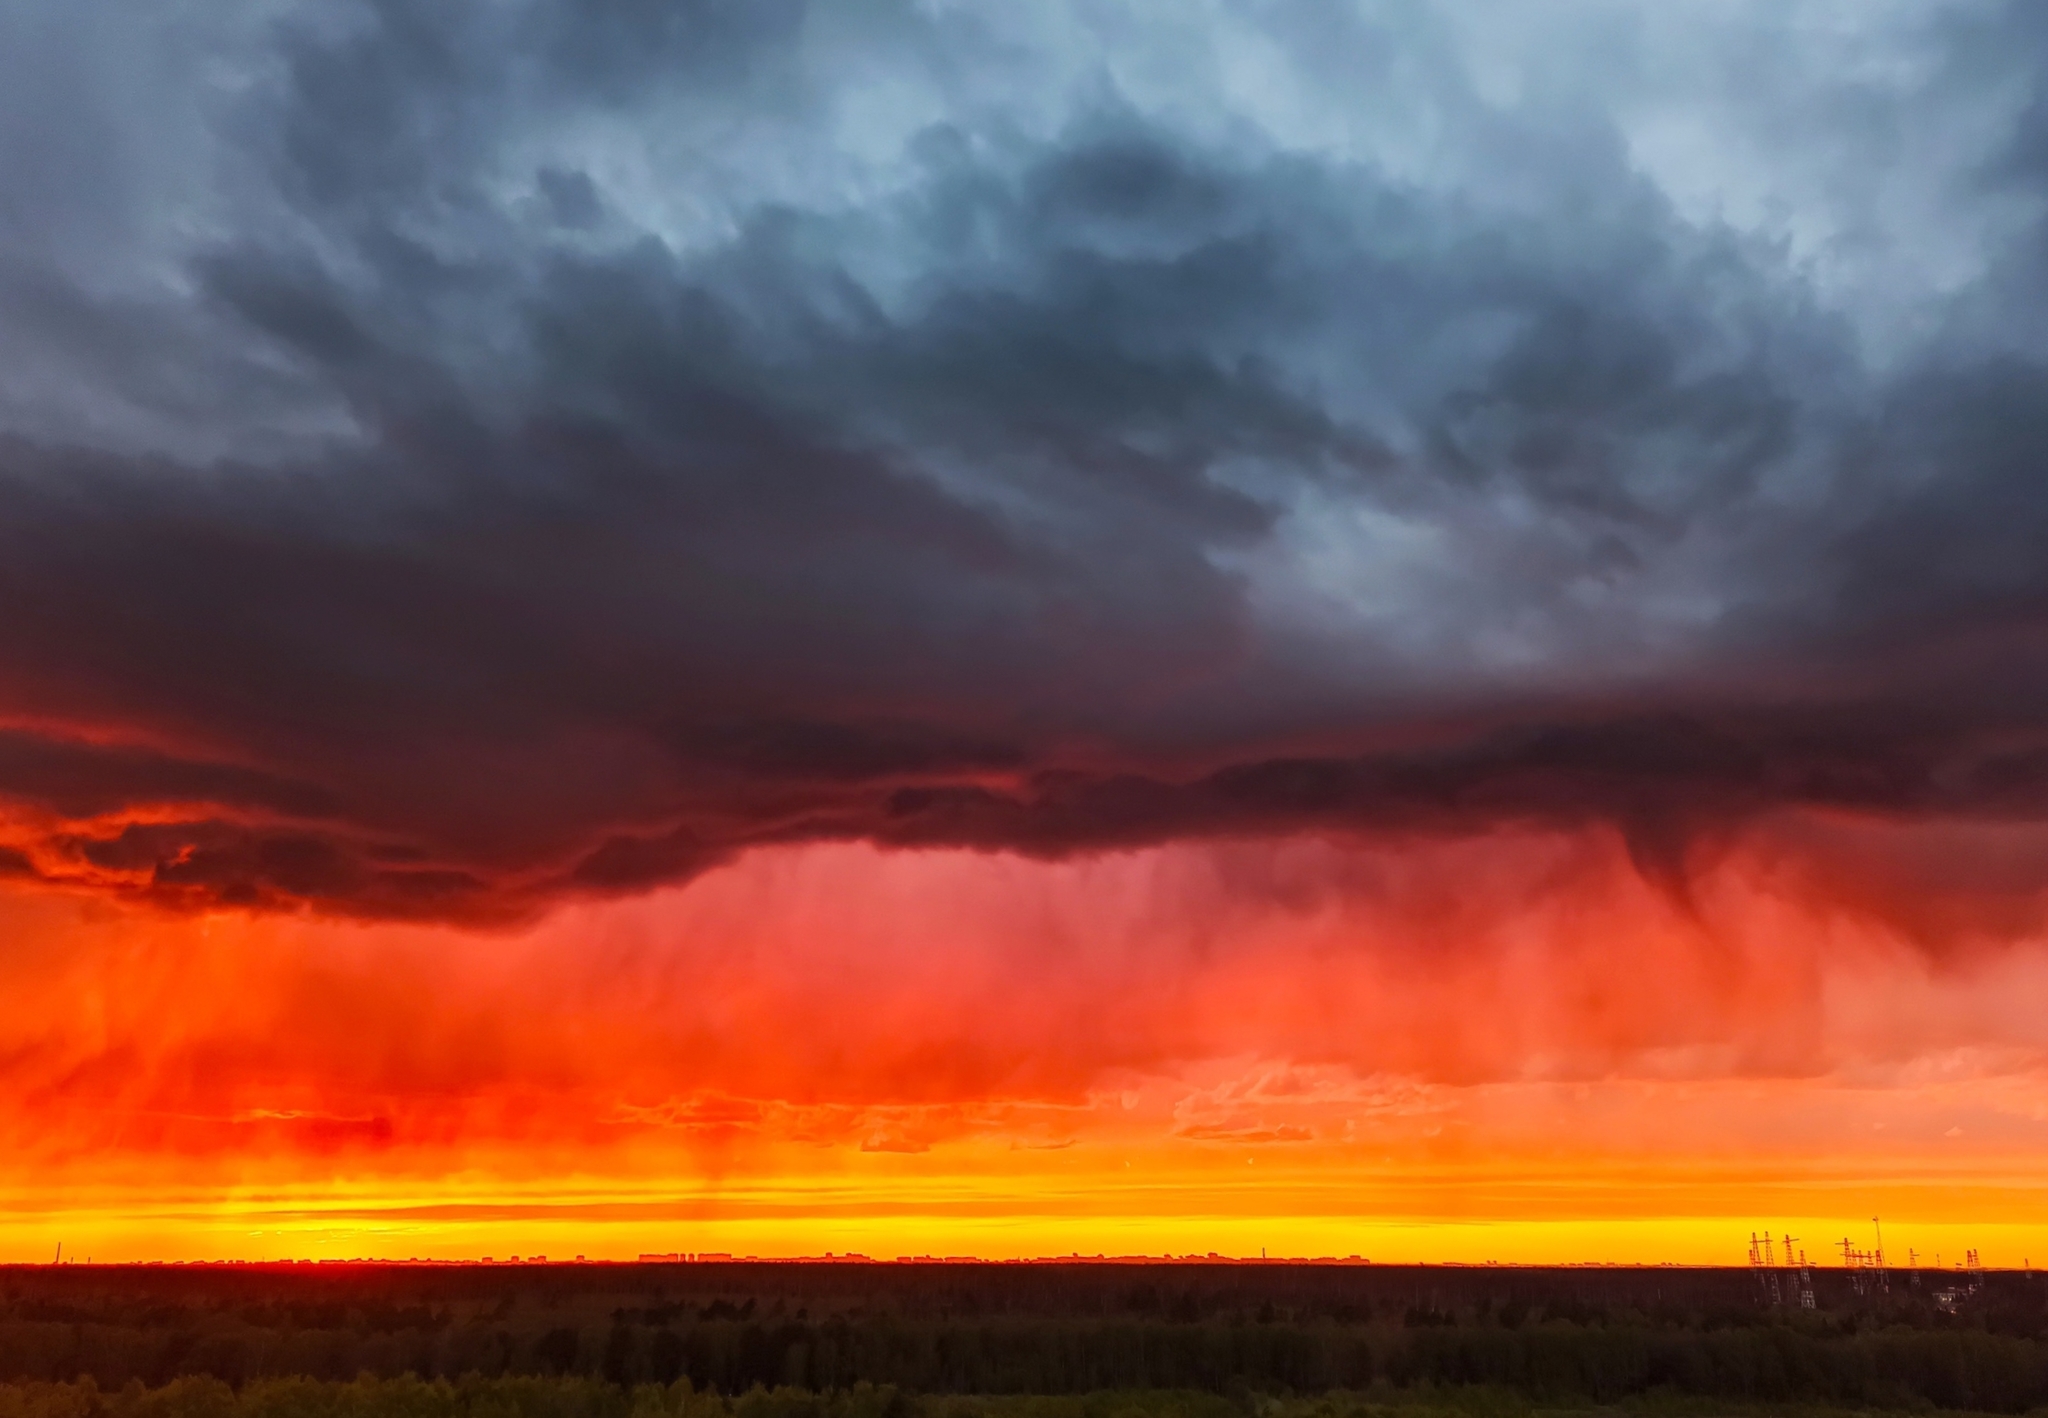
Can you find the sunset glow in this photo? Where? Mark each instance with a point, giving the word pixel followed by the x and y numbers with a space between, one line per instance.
pixel 1420 1054
pixel 1085 627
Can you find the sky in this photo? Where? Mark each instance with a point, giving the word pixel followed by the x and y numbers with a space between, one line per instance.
pixel 1332 626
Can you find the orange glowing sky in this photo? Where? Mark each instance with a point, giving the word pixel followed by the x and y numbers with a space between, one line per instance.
pixel 1507 1048
pixel 1414 630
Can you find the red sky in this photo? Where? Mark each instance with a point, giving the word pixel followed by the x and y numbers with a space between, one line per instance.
pixel 1412 630
pixel 1508 1047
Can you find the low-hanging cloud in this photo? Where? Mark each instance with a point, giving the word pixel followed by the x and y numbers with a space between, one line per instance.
pixel 541 450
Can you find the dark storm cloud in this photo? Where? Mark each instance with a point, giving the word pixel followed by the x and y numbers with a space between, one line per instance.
pixel 564 446
pixel 85 780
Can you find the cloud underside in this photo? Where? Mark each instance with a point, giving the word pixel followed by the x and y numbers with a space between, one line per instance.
pixel 549 452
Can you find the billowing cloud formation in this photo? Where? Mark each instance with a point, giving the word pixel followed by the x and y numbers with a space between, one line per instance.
pixel 455 457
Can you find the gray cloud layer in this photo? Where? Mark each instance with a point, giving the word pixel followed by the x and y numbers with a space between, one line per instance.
pixel 457 454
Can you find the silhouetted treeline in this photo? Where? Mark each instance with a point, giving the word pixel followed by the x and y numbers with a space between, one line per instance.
pixel 1554 1336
